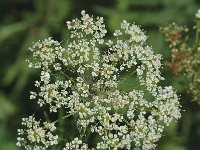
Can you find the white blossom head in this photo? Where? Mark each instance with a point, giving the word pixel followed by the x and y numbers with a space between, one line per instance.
pixel 34 136
pixel 84 76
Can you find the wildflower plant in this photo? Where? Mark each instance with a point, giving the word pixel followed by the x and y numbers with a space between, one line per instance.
pixel 185 52
pixel 83 77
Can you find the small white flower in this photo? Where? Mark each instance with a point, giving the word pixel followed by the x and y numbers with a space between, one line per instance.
pixel 197 15
pixel 117 33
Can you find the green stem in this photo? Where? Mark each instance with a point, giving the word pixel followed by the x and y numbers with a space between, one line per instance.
pixel 70 78
pixel 64 117
pixel 127 122
pixel 196 38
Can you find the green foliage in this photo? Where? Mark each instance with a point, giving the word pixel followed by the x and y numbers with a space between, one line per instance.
pixel 149 14
pixel 185 65
pixel 24 22
pixel 17 32
pixel 6 107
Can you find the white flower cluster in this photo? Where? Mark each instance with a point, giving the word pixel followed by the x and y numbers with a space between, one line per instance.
pixel 38 137
pixel 84 76
pixel 197 15
pixel 76 144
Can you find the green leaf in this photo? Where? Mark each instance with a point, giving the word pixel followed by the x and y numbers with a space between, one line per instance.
pixel 6 107
pixel 8 30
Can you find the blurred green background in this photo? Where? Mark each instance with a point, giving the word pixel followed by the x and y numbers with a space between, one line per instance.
pixel 25 21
